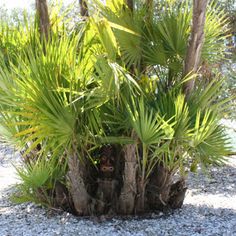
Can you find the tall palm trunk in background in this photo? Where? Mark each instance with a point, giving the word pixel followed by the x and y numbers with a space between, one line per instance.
pixel 83 8
pixel 44 22
pixel 149 5
pixel 130 4
pixel 149 10
pixel 193 55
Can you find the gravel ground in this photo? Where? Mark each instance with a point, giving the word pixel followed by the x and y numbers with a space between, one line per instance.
pixel 209 209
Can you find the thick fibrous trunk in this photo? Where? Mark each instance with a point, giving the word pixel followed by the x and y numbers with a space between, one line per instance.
pixel 44 23
pixel 177 194
pixel 112 195
pixel 130 4
pixel 193 55
pixel 141 200
pixel 162 192
pixel 129 189
pixel 158 188
pixel 83 8
pixel 77 186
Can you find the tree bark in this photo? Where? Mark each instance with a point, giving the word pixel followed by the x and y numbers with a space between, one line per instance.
pixel 83 8
pixel 77 186
pixel 177 194
pixel 44 23
pixel 129 189
pixel 158 188
pixel 130 4
pixel 193 55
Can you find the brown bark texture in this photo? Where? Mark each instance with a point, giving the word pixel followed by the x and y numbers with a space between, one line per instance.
pixel 115 187
pixel 83 8
pixel 78 190
pixel 193 55
pixel 130 4
pixel 129 189
pixel 44 22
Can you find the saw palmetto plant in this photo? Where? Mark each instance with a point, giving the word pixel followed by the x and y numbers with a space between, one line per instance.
pixel 100 114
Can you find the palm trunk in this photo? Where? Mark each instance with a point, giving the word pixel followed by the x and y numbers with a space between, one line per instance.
pixel 141 197
pixel 177 194
pixel 130 4
pixel 77 186
pixel 159 188
pixel 142 183
pixel 193 55
pixel 44 23
pixel 129 189
pixel 83 8
pixel 149 5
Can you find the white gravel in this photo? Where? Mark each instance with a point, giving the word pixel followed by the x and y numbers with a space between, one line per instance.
pixel 209 209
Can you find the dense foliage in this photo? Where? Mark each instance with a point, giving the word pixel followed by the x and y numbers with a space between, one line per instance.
pixel 99 112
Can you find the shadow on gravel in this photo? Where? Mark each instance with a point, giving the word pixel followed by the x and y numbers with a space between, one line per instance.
pixel 217 181
pixel 189 212
pixel 190 220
